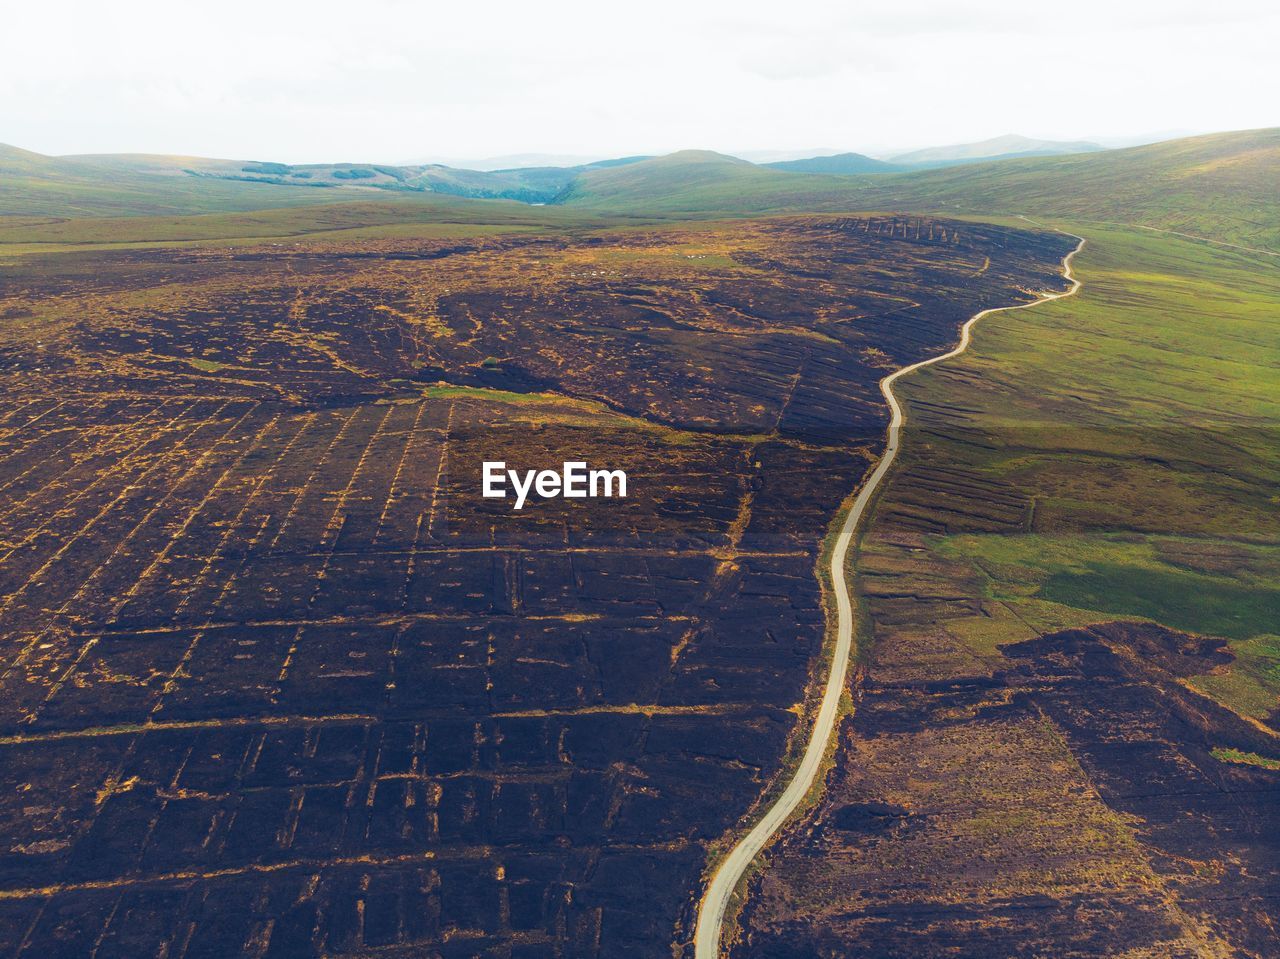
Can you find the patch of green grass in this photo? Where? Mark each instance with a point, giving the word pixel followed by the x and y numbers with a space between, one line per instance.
pixel 1250 684
pixel 1127 575
pixel 492 396
pixel 399 215
pixel 568 411
pixel 1141 418
pixel 1188 601
pixel 1244 758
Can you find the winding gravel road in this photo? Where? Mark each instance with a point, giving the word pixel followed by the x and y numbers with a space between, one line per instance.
pixel 720 890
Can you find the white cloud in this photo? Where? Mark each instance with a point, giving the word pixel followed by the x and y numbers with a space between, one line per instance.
pixel 386 79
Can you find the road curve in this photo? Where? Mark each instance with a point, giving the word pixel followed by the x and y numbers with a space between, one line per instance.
pixel 729 872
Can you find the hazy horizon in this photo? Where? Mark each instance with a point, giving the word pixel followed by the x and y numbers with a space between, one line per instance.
pixel 397 81
pixel 518 160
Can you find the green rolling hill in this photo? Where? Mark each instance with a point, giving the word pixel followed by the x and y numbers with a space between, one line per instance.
pixel 702 182
pixel 32 184
pixel 689 175
pixel 842 164
pixel 526 184
pixel 1221 186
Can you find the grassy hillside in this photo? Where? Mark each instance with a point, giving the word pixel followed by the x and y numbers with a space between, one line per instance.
pixel 1140 419
pixel 526 184
pixel 689 175
pixel 32 184
pixel 1111 456
pixel 842 164
pixel 389 215
pixel 147 185
pixel 1222 186
pixel 703 182
pixel 534 185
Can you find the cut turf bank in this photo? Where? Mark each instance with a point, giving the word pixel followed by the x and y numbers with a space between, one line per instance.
pixel 574 480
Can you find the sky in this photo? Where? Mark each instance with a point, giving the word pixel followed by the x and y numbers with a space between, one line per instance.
pixel 394 80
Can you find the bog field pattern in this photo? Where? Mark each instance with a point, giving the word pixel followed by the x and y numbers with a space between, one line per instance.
pixel 277 680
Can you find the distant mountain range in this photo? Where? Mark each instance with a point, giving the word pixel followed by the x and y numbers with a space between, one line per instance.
pixel 1195 185
pixel 100 184
pixel 1213 185
pixel 998 148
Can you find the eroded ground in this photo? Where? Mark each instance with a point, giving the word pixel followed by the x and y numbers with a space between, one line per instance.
pixel 277 682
